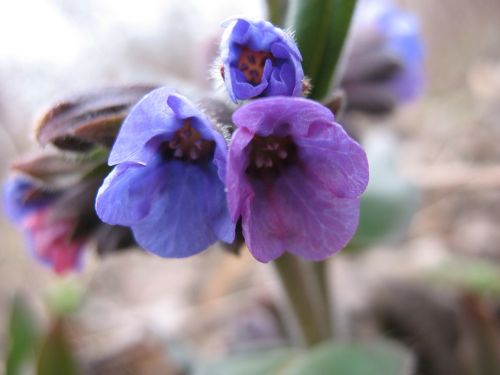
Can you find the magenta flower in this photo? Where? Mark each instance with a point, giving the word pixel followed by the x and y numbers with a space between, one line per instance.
pixel 259 60
pixel 294 178
pixel 49 238
pixel 167 185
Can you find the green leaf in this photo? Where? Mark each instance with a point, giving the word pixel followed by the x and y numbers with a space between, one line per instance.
pixel 377 358
pixel 320 28
pixel 262 363
pixel 55 356
pixel 23 338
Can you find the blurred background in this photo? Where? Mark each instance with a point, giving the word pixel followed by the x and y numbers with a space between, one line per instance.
pixel 145 314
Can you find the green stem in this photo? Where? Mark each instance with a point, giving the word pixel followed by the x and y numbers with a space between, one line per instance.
pixel 276 10
pixel 304 294
pixel 322 273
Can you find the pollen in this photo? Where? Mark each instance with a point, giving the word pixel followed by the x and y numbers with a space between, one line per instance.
pixel 251 64
pixel 188 144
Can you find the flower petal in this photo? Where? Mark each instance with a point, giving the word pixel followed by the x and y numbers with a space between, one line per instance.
pixel 149 118
pixel 126 195
pixel 265 115
pixel 49 242
pixel 293 214
pixel 334 161
pixel 238 187
pixel 189 213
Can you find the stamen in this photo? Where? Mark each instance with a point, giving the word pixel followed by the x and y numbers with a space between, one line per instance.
pixel 187 144
pixel 282 154
pixel 173 143
pixel 178 153
pixel 194 153
pixel 259 161
pixel 269 155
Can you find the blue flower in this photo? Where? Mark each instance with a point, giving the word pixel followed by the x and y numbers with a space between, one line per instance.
pixel 167 182
pixel 48 232
pixel 259 60
pixel 385 63
pixel 21 197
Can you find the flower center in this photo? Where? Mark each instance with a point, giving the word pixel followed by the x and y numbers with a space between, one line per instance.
pixel 251 64
pixel 269 155
pixel 187 144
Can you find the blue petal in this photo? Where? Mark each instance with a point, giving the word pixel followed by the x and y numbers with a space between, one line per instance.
pixel 189 212
pixel 149 118
pixel 14 197
pixel 126 195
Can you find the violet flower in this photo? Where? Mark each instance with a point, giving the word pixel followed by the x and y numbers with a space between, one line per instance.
pixel 259 60
pixel 21 197
pixel 48 233
pixel 384 65
pixel 294 178
pixel 167 181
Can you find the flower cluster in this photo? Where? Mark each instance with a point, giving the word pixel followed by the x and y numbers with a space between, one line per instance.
pixel 50 194
pixel 289 172
pixel 384 65
pixel 283 171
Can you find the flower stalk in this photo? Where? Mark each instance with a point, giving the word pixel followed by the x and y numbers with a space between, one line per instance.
pixel 300 283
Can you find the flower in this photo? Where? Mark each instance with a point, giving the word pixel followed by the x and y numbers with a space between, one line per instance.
pixel 167 184
pixel 50 240
pixel 259 60
pixel 295 178
pixel 385 63
pixel 49 232
pixel 21 197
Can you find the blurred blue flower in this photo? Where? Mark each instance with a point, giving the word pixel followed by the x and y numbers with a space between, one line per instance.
pixel 259 60
pixel 167 182
pixel 21 197
pixel 48 231
pixel 385 62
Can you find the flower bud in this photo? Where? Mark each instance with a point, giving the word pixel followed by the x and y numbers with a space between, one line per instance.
pixel 259 59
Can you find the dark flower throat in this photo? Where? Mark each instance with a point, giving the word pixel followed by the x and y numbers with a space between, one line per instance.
pixel 188 145
pixel 251 64
pixel 270 155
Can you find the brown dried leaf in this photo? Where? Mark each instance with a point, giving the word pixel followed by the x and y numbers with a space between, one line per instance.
pixel 56 170
pixel 92 118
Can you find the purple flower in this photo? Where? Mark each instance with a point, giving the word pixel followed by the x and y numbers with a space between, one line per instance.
pixel 167 183
pixel 259 60
pixel 295 178
pixel 387 55
pixel 48 232
pixel 21 197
